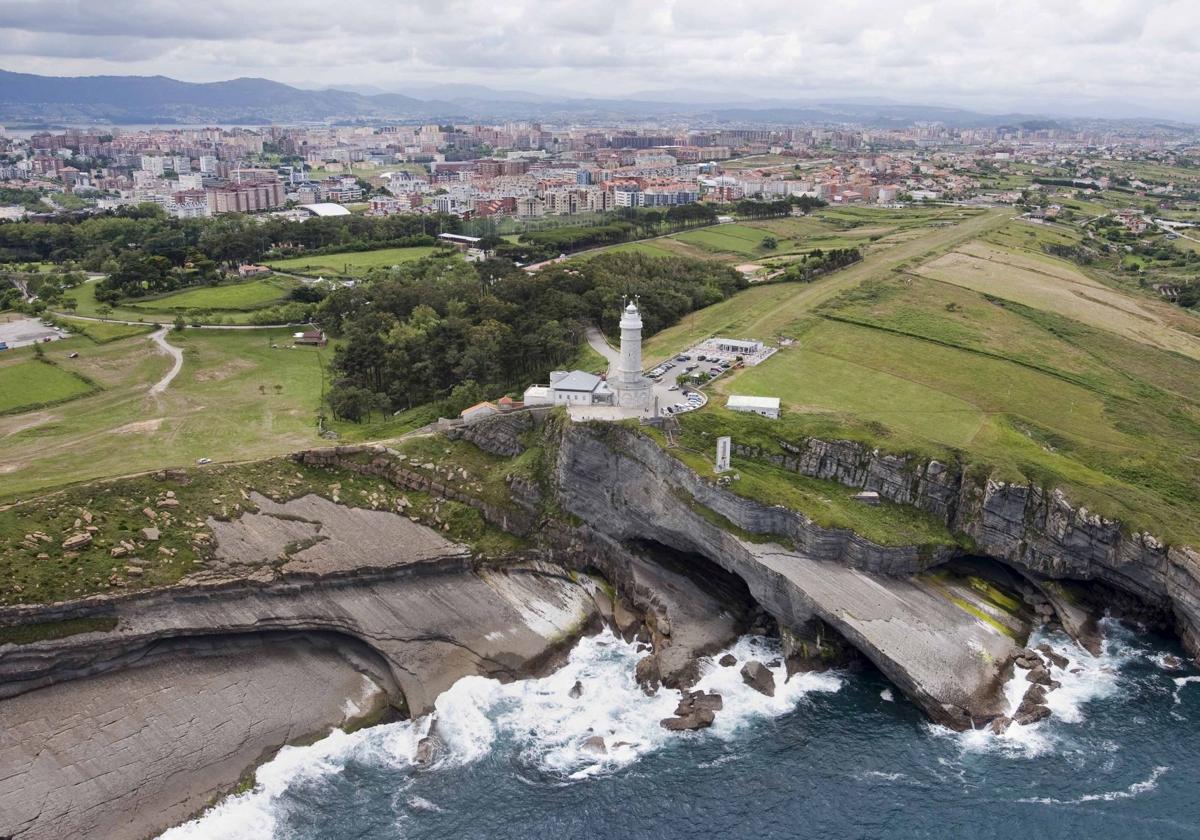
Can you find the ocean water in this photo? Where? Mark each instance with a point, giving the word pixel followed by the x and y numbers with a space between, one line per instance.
pixel 835 755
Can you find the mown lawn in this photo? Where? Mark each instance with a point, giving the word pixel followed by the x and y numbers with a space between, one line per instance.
pixel 251 294
pixel 26 381
pixel 152 312
pixel 351 263
pixel 101 332
pixel 236 398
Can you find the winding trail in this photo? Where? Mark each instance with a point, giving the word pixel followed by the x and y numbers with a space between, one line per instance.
pixel 160 338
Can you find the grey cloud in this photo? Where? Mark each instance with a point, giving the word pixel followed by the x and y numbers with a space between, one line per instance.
pixel 987 53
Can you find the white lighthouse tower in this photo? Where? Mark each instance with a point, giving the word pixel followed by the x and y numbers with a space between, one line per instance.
pixel 632 389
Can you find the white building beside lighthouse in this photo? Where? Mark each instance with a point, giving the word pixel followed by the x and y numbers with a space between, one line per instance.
pixel 631 388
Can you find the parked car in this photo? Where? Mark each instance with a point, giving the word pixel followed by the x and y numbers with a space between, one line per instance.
pixel 204 461
pixel 701 358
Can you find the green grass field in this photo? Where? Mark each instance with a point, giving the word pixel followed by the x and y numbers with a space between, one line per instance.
pixel 911 363
pixel 233 309
pixel 351 264
pixel 734 239
pixel 250 294
pixel 102 332
pixel 27 381
pixel 236 398
pixel 765 312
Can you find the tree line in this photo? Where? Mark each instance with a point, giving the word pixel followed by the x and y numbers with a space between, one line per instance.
pixel 459 332
pixel 93 241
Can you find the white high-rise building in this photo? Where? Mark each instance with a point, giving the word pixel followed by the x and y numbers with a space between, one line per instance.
pixel 632 389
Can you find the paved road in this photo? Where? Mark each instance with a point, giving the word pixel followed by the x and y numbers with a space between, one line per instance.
pixel 600 344
pixel 160 338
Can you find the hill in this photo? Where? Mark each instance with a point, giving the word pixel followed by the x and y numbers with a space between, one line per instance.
pixel 132 99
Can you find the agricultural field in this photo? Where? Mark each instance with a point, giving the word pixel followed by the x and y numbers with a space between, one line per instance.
pixel 734 239
pixel 26 381
pixel 768 311
pixel 1056 286
pixel 351 264
pixel 1038 372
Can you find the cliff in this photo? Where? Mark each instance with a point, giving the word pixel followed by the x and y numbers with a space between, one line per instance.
pixel 947 659
pixel 1031 528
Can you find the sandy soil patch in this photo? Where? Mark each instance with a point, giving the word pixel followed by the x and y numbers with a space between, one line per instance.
pixel 140 427
pixel 22 422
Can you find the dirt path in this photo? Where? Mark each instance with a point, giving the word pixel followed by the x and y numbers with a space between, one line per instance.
pixel 160 338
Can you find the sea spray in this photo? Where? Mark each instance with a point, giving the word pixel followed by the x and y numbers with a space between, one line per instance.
pixel 546 726
pixel 1086 679
pixel 254 815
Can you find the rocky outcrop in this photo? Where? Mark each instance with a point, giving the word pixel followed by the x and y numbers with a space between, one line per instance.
pixel 294 643
pixel 1025 525
pixel 756 675
pixel 125 754
pixel 944 658
pixel 388 464
pixel 500 434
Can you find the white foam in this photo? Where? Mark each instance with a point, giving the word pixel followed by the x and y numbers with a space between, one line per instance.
pixel 250 816
pixel 1085 679
pixel 1180 684
pixel 887 695
pixel 1135 789
pixel 547 725
pixel 420 803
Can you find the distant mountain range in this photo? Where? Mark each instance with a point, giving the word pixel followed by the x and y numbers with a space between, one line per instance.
pixel 48 100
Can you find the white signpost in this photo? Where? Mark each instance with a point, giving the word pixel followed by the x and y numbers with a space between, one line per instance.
pixel 723 454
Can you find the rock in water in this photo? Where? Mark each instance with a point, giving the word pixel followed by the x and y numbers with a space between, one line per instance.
pixel 678 668
pixel 427 750
pixel 727 661
pixel 689 703
pixel 595 744
pixel 697 719
pixel 1000 725
pixel 1035 695
pixel 756 675
pixel 1038 674
pixel 1057 659
pixel 647 673
pixel 1031 715
pixel 576 690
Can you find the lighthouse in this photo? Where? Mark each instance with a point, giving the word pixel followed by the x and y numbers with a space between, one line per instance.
pixel 633 390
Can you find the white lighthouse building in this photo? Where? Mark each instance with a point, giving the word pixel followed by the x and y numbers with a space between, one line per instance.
pixel 632 389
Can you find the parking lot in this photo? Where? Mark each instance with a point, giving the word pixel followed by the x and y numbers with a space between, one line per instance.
pixel 677 381
pixel 19 331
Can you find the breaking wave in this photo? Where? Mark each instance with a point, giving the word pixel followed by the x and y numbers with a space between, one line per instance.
pixel 546 727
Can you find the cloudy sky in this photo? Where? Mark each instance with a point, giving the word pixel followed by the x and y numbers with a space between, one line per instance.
pixel 1117 57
